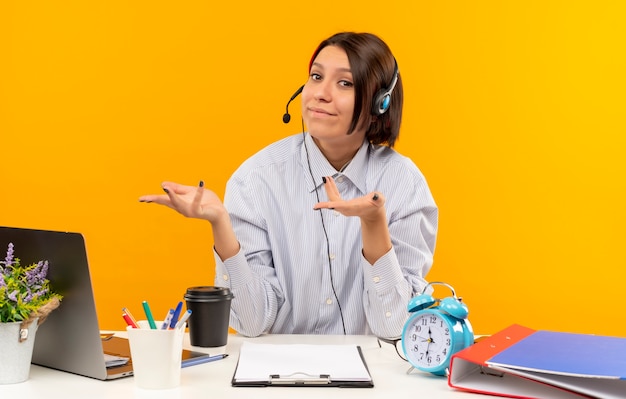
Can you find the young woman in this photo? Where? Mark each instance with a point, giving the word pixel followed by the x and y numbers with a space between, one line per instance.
pixel 330 231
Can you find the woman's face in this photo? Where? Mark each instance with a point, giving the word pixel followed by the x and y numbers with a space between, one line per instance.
pixel 328 98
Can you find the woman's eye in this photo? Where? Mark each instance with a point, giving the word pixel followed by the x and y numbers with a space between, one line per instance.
pixel 345 83
pixel 315 76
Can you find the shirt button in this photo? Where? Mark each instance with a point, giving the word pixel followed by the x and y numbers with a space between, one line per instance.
pixel 332 256
pixel 376 279
pixel 388 314
pixel 225 277
pixel 329 301
pixel 336 213
pixel 340 179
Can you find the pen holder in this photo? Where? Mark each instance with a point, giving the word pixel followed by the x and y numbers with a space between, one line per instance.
pixel 156 356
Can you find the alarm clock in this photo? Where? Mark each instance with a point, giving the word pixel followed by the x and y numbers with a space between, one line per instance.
pixel 437 329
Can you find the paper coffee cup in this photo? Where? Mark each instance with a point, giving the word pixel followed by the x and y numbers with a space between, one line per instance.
pixel 208 324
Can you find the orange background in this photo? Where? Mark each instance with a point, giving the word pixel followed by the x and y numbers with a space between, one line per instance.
pixel 514 111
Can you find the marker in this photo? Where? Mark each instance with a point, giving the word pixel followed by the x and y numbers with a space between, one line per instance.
pixel 183 319
pixel 167 320
pixel 176 315
pixel 130 316
pixel 146 309
pixel 200 360
pixel 129 320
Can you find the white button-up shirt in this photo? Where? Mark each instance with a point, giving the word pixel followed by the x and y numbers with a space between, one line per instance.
pixel 299 274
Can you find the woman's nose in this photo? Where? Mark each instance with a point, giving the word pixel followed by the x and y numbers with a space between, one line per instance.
pixel 322 91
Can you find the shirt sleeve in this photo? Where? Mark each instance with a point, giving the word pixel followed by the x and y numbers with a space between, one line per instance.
pixel 250 278
pixel 396 277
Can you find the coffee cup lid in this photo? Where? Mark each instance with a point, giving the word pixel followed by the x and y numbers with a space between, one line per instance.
pixel 208 293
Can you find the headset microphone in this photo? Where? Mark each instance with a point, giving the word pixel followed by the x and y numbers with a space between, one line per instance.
pixel 287 117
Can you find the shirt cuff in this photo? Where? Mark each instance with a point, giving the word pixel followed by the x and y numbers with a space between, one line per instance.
pixel 233 272
pixel 384 274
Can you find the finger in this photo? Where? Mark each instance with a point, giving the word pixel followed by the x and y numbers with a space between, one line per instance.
pixel 196 204
pixel 174 200
pixel 376 198
pixel 331 189
pixel 176 188
pixel 323 205
pixel 158 199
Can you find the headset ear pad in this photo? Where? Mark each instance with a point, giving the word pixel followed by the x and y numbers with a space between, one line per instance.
pixel 382 99
pixel 380 105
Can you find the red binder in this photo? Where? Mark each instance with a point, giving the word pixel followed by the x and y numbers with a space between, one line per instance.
pixel 469 370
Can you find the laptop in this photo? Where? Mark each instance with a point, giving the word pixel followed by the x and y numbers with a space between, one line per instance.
pixel 70 339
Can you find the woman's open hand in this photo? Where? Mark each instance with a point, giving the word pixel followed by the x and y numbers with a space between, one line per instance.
pixel 368 207
pixel 190 201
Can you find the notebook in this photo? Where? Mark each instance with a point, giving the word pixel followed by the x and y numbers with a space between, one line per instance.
pixel 70 338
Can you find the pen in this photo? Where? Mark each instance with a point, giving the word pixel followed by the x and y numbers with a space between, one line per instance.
pixel 181 322
pixel 176 315
pixel 130 316
pixel 146 309
pixel 129 321
pixel 167 320
pixel 200 360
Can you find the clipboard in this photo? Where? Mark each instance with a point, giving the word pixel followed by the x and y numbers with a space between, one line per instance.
pixel 300 365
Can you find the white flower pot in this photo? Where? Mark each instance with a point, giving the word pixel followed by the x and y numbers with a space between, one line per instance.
pixel 16 354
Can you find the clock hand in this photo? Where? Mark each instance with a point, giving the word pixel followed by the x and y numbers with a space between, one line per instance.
pixel 430 336
pixel 423 339
pixel 429 340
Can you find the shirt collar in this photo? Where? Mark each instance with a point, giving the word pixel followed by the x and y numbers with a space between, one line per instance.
pixel 355 171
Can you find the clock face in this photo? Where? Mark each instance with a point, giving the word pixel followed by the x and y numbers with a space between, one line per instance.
pixel 427 340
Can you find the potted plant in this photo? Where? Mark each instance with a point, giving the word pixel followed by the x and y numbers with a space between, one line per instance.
pixel 25 302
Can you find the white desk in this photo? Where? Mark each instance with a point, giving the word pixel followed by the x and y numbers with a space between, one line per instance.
pixel 212 380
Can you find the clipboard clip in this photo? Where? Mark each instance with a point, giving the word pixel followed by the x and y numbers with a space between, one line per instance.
pixel 299 378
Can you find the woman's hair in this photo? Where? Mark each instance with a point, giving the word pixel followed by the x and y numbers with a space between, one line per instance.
pixel 373 67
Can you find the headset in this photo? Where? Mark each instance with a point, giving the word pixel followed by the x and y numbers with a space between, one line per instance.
pixel 382 99
pixel 380 103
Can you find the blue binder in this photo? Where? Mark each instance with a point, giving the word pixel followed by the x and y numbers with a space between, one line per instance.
pixel 592 365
